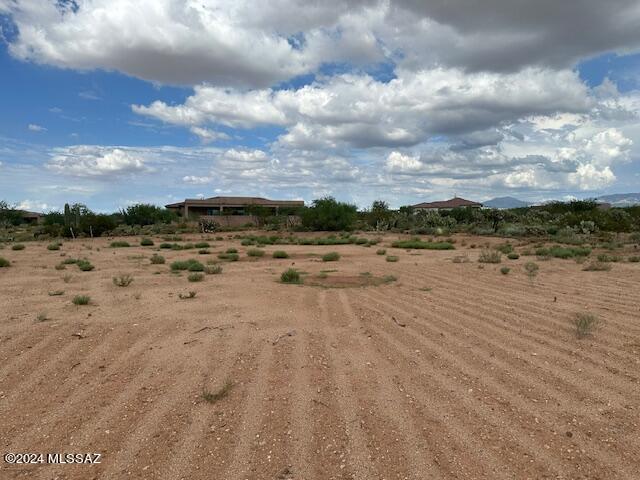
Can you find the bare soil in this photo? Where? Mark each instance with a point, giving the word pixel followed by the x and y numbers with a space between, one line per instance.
pixel 450 372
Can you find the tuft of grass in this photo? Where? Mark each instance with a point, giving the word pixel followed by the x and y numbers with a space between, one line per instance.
pixel 505 248
pixel 157 259
pixel 389 278
pixel 60 266
pixel 119 244
pixel 505 270
pixel 85 265
pixel 585 323
pixel 186 296
pixel 513 256
pixel 331 257
pixel 280 254
pixel 123 280
pixel 381 251
pixel 213 269
pixel 195 277
pixel 290 276
pixel 231 257
pixel 17 246
pixel 53 246
pixel 81 300
pixel 597 266
pixel 460 259
pixel 70 261
pixel 56 293
pixel 42 317
pixel 204 251
pixel 4 262
pixel 419 244
pixel 67 278
pixel 392 258
pixel 165 245
pixel 531 268
pixel 605 257
pixel 634 259
pixel 146 242
pixel 191 265
pixel 490 256
pixel 558 251
pixel 255 252
pixel 213 397
pixel 231 250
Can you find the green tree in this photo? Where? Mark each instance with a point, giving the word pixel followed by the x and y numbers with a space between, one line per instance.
pixel 329 214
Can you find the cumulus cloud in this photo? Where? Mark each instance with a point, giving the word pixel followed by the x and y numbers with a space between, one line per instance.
pixel 32 127
pixel 97 162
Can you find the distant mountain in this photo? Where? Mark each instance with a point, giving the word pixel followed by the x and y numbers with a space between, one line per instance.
pixel 505 202
pixel 621 199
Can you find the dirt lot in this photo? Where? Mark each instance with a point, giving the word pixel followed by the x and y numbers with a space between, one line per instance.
pixel 451 371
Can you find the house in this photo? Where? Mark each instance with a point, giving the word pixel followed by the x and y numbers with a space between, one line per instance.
pixel 233 211
pixel 31 217
pixel 455 202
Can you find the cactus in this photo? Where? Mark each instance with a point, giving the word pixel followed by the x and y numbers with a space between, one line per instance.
pixel 67 215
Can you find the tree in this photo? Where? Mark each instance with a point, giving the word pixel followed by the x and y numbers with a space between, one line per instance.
pixel 328 214
pixel 379 215
pixel 146 214
pixel 9 215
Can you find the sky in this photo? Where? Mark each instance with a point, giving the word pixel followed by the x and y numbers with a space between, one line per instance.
pixel 115 102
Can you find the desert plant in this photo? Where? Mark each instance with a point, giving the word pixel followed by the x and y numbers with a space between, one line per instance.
pixel 157 259
pixel 505 270
pixel 531 269
pixel 419 244
pixel 204 251
pixel 490 256
pixel 389 278
pixel 67 278
pixel 280 254
pixel 165 245
pixel 70 261
pixel 17 246
pixel 392 258
pixel 195 277
pixel 184 264
pixel 460 259
pixel 381 251
pixel 195 266
pixel 4 262
pixel 60 266
pixel 42 317
pixel 213 269
pixel 213 397
pixel 505 248
pixel 605 257
pixel 202 245
pixel 56 293
pixel 255 252
pixel 123 280
pixel 231 257
pixel 513 256
pixel 331 257
pixel 185 296
pixel 81 300
pixel 146 242
pixel 633 259
pixel 119 244
pixel 290 276
pixel 53 246
pixel 585 323
pixel 597 267
pixel 85 265
pixel 231 250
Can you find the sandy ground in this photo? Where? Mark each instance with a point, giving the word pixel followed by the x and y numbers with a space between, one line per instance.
pixel 452 371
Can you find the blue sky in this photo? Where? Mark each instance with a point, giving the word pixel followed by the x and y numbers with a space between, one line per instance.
pixel 96 106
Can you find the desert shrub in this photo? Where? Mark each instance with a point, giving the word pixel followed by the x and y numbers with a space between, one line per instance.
pixel 255 252
pixel 460 259
pixel 605 257
pixel 179 265
pixel 213 397
pixel 331 257
pixel 381 251
pixel 157 259
pixel 123 280
pixel 55 293
pixel 146 242
pixel 81 300
pixel 186 296
pixel 231 257
pixel 165 245
pixel 195 266
pixel 60 266
pixel 527 252
pixel 505 248
pixel 505 270
pixel 186 246
pixel 231 250
pixel 53 246
pixel 213 269
pixel 4 262
pixel 119 244
pixel 419 244
pixel 204 251
pixel 327 214
pixel 531 269
pixel 490 256
pixel 70 261
pixel 67 278
pixel 246 242
pixel 85 265
pixel 513 256
pixel 597 266
pixel 17 246
pixel 634 259
pixel 280 254
pixel 290 276
pixel 202 245
pixel 585 323
pixel 196 277
pixel 392 258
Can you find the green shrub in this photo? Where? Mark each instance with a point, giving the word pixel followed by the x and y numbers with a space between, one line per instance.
pixel 585 323
pixel 120 244
pixel 419 244
pixel 231 257
pixel 146 242
pixel 195 266
pixel 327 214
pixel 280 254
pixel 165 245
pixel 634 259
pixel 81 300
pixel 605 257
pixel 392 258
pixel 597 267
pixel 204 251
pixel 157 259
pixel 513 256
pixel 505 248
pixel 85 265
pixel 17 246
pixel 231 250
pixel 123 280
pixel 70 261
pixel 213 269
pixel 202 245
pixel 505 270
pixel 246 242
pixel 331 257
pixel 255 252
pixel 4 262
pixel 531 269
pixel 60 266
pixel 184 296
pixel 490 256
pixel 195 277
pixel 290 276
pixel 53 246
pixel 381 251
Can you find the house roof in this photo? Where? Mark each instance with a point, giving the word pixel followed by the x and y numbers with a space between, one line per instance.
pixel 454 202
pixel 237 202
pixel 26 214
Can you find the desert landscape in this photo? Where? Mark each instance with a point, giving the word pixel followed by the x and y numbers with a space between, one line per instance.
pixel 425 365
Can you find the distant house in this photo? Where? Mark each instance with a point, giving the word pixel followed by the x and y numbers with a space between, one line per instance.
pixel 455 202
pixel 232 211
pixel 31 217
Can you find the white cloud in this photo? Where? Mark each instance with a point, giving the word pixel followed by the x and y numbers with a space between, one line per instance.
pixel 36 128
pixel 207 135
pixel 97 162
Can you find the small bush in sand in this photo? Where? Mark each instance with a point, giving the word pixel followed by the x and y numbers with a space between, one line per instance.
pixel 585 323
pixel 187 265
pixel 389 278
pixel 85 265
pixel 17 246
pixel 157 259
pixel 67 278
pixel 280 254
pixel 505 270
pixel 195 277
pixel 290 276
pixel 392 258
pixel 231 250
pixel 490 256
pixel 513 256
pixel 81 300
pixel 381 251
pixel 146 242
pixel 123 280
pixel 460 259
pixel 60 266
pixel 505 248
pixel 119 244
pixel 165 246
pixel 231 257
pixel 195 266
pixel 213 397
pixel 202 245
pixel 605 257
pixel 53 246
pixel 213 269
pixel 4 262
pixel 531 269
pixel 419 244
pixel 633 259
pixel 186 296
pixel 42 317
pixel 597 267
pixel 331 257
pixel 70 261
pixel 255 252
pixel 56 293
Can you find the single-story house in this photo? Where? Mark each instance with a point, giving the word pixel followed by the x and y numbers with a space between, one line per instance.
pixel 232 211
pixel 31 217
pixel 455 202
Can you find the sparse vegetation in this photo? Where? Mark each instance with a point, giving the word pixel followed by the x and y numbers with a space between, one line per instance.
pixel 505 270
pixel 392 258
pixel 558 251
pixel 531 269
pixel 146 242
pixel 56 293
pixel 223 391
pixel 460 259
pixel 505 248
pixel 213 269
pixel 389 278
pixel 331 257
pixel 60 266
pixel 4 262
pixel 605 257
pixel 157 259
pixel 381 251
pixel 597 266
pixel 67 278
pixel 191 265
pixel 231 250
pixel 123 280
pixel 280 254
pixel 419 244
pixel 204 251
pixel 195 277
pixel 85 265
pixel 81 300
pixel 513 256
pixel 490 256
pixel 585 323
pixel 119 244
pixel 42 317
pixel 230 257
pixel 53 246
pixel 202 245
pixel 634 259
pixel 18 246
pixel 290 276
pixel 255 252
pixel 185 296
